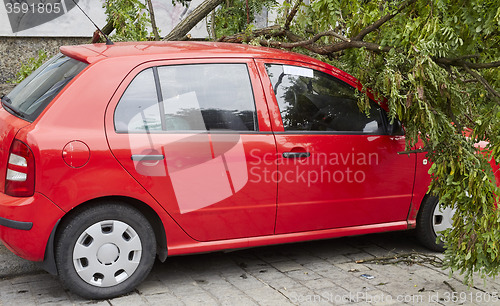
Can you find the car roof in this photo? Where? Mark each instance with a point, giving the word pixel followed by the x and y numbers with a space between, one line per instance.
pixel 161 50
pixel 177 50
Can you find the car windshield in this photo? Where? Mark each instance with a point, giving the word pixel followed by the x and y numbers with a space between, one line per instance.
pixel 33 94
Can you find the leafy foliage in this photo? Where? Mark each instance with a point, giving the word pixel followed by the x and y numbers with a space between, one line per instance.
pixel 130 19
pixel 32 65
pixel 231 17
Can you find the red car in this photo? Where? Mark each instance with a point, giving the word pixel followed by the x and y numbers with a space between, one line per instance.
pixel 114 155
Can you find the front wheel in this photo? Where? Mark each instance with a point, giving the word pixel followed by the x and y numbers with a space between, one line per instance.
pixel 105 250
pixel 431 220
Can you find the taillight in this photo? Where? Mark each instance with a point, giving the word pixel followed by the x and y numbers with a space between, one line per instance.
pixel 20 176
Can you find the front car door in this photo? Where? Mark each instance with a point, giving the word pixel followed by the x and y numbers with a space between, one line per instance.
pixel 187 131
pixel 337 166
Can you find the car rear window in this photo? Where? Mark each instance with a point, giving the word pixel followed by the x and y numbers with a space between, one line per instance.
pixel 28 99
pixel 191 97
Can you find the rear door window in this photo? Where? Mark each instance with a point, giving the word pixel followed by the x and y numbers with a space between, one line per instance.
pixel 194 97
pixel 310 100
pixel 34 93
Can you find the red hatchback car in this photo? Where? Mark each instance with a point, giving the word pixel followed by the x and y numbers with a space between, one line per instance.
pixel 113 155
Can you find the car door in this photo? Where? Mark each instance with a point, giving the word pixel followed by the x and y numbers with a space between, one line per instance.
pixel 187 131
pixel 337 166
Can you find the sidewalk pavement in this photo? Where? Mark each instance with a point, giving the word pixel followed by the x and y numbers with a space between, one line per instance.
pixel 311 273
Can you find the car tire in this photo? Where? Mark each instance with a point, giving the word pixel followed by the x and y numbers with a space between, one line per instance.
pixel 431 220
pixel 105 250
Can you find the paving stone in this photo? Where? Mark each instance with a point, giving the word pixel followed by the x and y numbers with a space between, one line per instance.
pixel 303 275
pixel 268 296
pixel 276 279
pixel 163 299
pixel 223 291
pixel 338 259
pixel 150 287
pixel 245 281
pixel 318 284
pixel 132 299
pixel 287 266
pixel 198 299
pixel 304 259
pixel 238 300
pixel 335 295
pixel 359 256
pixel 304 296
pixel 377 251
pixel 256 267
pixel 352 267
pixel 17 302
pixel 50 295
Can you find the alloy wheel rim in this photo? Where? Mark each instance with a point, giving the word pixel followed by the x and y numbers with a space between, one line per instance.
pixel 107 253
pixel 442 219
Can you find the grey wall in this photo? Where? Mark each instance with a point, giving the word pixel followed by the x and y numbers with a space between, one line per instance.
pixel 14 51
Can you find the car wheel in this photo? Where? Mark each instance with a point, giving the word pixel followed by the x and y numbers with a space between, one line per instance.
pixel 104 251
pixel 431 220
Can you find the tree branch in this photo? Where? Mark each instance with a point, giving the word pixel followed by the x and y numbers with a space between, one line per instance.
pixel 272 31
pixel 324 49
pixel 460 62
pixel 485 83
pixel 183 27
pixel 292 14
pixel 357 44
pixel 377 24
pixel 484 65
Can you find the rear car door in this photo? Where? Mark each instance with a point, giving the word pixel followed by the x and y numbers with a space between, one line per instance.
pixel 337 166
pixel 188 131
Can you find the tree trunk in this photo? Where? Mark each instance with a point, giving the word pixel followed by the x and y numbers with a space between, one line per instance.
pixel 192 19
pixel 153 20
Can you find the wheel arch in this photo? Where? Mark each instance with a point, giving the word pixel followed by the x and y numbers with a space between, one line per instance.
pixel 49 263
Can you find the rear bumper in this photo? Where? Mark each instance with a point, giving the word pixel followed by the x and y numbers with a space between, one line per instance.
pixel 26 224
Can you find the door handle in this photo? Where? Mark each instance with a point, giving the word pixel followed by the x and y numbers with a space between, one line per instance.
pixel 296 154
pixel 137 157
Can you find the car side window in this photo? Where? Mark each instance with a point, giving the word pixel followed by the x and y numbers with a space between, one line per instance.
pixel 138 109
pixel 208 97
pixel 310 100
pixel 191 97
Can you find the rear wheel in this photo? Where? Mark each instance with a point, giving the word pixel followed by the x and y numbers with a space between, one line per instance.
pixel 431 221
pixel 105 251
